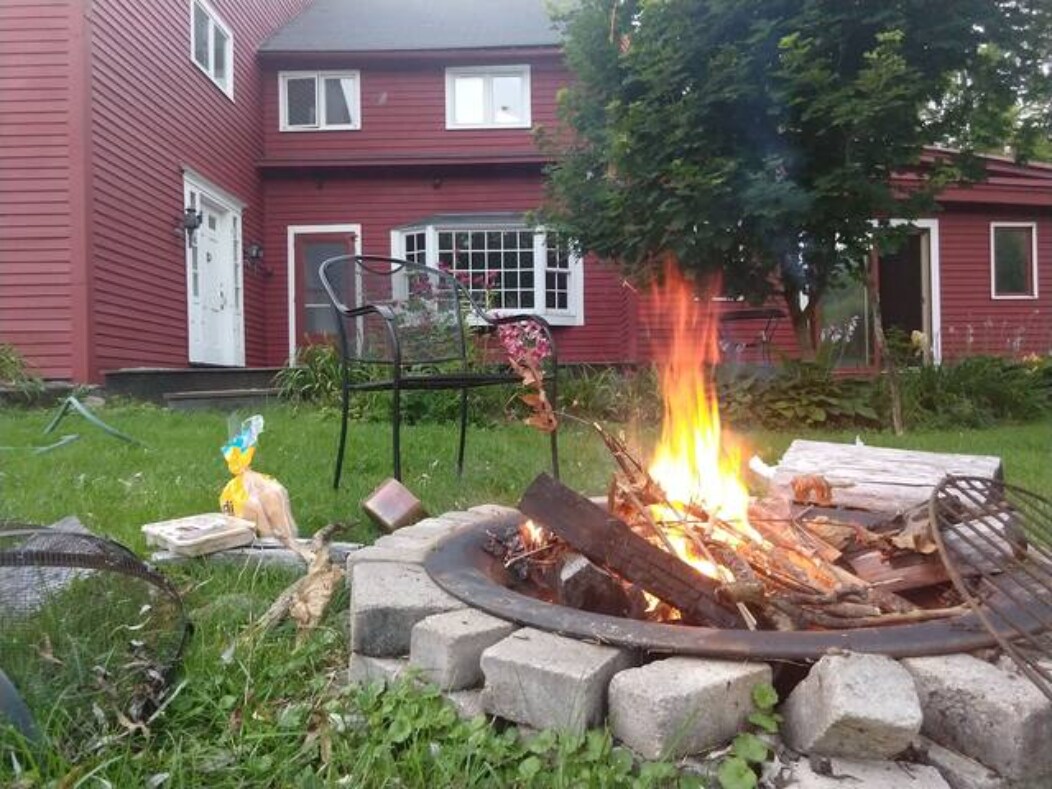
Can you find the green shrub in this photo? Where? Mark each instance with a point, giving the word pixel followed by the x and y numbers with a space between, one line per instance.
pixel 14 372
pixel 977 391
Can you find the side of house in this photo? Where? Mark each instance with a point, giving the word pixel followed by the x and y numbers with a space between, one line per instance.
pixel 43 163
pixel 123 121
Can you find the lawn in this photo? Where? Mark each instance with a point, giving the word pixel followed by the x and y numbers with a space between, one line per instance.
pixel 276 715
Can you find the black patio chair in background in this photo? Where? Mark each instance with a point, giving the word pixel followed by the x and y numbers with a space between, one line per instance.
pixel 405 326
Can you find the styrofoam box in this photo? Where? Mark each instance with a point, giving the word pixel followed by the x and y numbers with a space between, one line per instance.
pixel 195 535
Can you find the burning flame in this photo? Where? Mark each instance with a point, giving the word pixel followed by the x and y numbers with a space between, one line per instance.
pixel 532 535
pixel 696 463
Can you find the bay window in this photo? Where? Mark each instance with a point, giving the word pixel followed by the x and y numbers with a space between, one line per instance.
pixel 507 265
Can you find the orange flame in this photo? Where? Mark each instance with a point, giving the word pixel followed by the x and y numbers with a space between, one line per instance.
pixel 532 535
pixel 695 462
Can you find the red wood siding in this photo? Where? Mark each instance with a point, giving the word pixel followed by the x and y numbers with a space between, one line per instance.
pixel 380 203
pixel 154 113
pixel 39 237
pixel 403 110
pixel 973 322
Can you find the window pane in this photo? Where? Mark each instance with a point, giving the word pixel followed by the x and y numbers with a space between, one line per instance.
pixel 508 105
pixel 301 102
pixel 468 102
pixel 219 65
pixel 201 23
pixel 1012 262
pixel 339 98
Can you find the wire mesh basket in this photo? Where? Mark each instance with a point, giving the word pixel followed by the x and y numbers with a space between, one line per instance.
pixel 89 635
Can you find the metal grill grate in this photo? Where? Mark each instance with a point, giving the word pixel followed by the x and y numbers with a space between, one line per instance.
pixel 995 540
pixel 89 635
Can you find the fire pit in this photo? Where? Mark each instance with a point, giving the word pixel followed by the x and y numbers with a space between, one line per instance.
pixel 464 568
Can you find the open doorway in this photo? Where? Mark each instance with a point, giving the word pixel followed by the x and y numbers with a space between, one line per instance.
pixel 908 281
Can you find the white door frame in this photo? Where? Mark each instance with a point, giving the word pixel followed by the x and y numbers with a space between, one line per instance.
pixel 195 188
pixel 293 231
pixel 932 287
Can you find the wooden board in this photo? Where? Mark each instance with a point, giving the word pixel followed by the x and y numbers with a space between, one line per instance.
pixel 876 478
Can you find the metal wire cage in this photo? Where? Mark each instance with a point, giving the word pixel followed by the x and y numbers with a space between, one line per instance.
pixel 89 636
pixel 995 540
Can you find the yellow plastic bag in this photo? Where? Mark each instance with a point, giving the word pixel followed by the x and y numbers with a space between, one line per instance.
pixel 251 495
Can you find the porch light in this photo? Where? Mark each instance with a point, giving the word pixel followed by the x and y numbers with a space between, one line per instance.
pixel 192 219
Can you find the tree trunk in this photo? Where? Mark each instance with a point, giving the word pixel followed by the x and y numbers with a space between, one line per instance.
pixel 873 288
pixel 802 320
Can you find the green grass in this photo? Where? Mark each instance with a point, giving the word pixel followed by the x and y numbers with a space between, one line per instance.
pixel 276 716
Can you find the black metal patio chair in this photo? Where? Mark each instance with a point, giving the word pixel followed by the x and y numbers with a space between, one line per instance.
pixel 405 326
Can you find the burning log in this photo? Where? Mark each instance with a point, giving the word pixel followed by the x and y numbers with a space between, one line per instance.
pixel 610 543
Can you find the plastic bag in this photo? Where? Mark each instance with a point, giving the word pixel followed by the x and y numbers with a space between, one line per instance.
pixel 251 495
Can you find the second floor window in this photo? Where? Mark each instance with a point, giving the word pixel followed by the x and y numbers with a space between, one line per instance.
pixel 212 46
pixel 320 101
pixel 488 97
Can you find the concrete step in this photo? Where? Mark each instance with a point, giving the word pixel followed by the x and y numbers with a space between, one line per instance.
pixel 220 399
pixel 153 383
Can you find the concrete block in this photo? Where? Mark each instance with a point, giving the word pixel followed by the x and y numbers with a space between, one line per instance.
pixel 447 647
pixel 857 706
pixel 994 716
pixel 410 552
pixel 680 705
pixel 429 528
pixel 836 773
pixel 549 682
pixel 959 771
pixel 387 599
pixel 467 703
pixel 495 511
pixel 365 670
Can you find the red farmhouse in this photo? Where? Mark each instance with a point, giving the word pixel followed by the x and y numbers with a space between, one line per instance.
pixel 173 171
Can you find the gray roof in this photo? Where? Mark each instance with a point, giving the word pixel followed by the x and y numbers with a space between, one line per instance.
pixel 400 25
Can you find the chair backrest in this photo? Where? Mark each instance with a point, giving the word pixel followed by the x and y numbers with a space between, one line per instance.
pixel 430 308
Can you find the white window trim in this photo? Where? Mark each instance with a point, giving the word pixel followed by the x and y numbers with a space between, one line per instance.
pixel 290 257
pixel 1033 262
pixel 217 21
pixel 573 315
pixel 319 98
pixel 487 73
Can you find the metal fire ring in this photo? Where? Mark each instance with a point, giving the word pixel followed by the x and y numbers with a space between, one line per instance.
pixel 463 569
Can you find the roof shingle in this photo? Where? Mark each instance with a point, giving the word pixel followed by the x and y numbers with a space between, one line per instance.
pixel 406 25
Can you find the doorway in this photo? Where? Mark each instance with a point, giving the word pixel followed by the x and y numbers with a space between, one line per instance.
pixel 908 284
pixel 311 318
pixel 214 279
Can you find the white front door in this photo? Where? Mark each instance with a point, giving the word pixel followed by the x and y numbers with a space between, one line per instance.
pixel 214 283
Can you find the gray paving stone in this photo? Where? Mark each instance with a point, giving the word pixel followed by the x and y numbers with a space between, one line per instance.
pixel 549 682
pixel 837 773
pixel 856 706
pixel 410 552
pixel 495 510
pixel 447 647
pixel 467 703
pixel 682 705
pixel 994 716
pixel 959 771
pixel 365 670
pixel 387 599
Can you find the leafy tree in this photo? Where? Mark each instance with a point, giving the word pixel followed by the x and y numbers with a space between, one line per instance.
pixel 754 139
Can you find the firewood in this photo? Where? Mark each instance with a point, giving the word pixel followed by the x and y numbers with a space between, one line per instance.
pixel 612 544
pixel 898 573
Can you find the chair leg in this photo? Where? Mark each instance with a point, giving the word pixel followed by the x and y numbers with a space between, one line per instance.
pixel 396 426
pixel 343 440
pixel 463 430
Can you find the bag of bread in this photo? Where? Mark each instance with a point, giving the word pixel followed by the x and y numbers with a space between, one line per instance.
pixel 251 495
